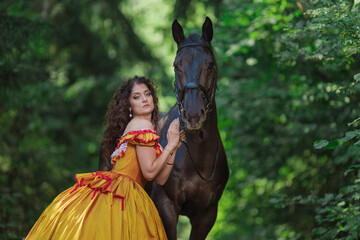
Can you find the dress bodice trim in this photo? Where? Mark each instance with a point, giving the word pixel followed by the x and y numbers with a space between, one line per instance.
pixel 144 136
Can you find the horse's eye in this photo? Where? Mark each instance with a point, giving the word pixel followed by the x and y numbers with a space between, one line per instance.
pixel 213 67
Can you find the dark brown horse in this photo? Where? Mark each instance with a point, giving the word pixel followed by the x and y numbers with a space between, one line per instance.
pixel 201 171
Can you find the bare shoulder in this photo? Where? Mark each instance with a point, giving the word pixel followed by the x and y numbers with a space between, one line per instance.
pixel 137 123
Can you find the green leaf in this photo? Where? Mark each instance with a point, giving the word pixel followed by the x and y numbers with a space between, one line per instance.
pixel 348 136
pixel 321 144
pixel 324 144
pixel 357 77
pixel 333 144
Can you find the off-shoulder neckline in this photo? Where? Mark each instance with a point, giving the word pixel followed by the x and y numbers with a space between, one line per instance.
pixel 140 130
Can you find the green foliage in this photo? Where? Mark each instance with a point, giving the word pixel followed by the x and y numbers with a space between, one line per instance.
pixel 328 34
pixel 286 79
pixel 332 40
pixel 278 96
pixel 59 65
pixel 337 214
pixel 351 135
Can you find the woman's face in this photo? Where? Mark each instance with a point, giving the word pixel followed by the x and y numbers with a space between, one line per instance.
pixel 141 100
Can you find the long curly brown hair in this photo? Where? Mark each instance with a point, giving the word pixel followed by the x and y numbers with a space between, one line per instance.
pixel 117 117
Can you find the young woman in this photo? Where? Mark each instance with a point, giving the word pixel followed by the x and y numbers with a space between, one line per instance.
pixel 113 204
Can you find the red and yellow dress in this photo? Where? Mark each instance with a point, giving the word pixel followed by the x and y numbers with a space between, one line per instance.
pixel 106 204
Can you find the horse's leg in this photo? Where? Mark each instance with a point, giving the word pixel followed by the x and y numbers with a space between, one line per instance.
pixel 169 217
pixel 202 223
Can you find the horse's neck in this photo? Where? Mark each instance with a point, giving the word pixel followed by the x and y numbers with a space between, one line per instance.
pixel 205 144
pixel 210 125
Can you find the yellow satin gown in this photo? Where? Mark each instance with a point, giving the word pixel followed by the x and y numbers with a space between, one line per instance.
pixel 106 204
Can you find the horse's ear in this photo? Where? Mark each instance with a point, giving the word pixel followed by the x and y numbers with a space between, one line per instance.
pixel 207 30
pixel 178 32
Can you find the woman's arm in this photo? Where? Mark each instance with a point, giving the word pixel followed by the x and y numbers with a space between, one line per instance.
pixel 152 166
pixel 164 174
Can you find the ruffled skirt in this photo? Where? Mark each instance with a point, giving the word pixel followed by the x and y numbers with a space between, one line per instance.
pixel 102 205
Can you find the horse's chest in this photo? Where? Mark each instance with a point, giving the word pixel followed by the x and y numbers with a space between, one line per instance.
pixel 200 195
pixel 196 192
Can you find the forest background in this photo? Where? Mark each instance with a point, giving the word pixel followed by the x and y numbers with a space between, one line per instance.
pixel 288 104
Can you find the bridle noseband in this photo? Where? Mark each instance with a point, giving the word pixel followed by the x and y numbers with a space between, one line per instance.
pixel 194 85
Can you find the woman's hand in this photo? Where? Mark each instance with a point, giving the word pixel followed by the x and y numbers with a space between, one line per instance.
pixel 182 138
pixel 173 135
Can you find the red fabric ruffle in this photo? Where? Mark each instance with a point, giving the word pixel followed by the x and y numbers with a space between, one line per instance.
pixel 141 137
pixel 102 189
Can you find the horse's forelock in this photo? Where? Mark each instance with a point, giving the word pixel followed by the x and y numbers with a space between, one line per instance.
pixel 194 38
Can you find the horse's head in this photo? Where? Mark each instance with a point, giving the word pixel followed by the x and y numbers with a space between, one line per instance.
pixel 195 74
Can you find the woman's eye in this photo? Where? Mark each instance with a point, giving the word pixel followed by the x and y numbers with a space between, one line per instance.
pixel 136 97
pixel 148 94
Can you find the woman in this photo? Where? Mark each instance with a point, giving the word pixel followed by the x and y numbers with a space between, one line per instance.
pixel 113 204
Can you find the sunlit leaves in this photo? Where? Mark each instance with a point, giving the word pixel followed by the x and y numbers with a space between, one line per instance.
pixel 328 29
pixel 277 110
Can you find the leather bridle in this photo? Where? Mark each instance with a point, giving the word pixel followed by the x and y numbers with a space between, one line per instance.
pixel 208 97
pixel 194 85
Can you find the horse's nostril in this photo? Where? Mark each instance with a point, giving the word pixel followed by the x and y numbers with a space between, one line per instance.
pixel 192 116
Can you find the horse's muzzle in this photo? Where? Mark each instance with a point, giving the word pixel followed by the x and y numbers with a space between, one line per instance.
pixel 193 121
